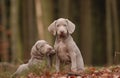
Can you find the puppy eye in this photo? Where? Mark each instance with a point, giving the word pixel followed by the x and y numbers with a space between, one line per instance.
pixel 58 25
pixel 42 46
pixel 65 25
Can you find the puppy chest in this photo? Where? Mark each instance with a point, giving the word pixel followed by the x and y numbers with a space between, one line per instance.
pixel 63 52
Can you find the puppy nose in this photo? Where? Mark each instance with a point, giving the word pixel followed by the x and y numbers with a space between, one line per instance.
pixel 62 32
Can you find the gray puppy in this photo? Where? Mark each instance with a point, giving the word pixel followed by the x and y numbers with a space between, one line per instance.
pixel 40 50
pixel 65 47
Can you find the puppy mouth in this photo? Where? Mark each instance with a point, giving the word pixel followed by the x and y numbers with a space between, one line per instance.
pixel 62 35
pixel 50 52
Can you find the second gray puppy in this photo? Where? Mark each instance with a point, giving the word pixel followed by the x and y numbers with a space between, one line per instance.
pixel 40 49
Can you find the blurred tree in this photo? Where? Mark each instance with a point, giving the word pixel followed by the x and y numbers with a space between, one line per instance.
pixel 28 23
pixel 99 32
pixel 24 29
pixel 63 11
pixel 48 18
pixel 16 45
pixel 4 46
pixel 39 19
pixel 86 30
pixel 109 38
pixel 116 25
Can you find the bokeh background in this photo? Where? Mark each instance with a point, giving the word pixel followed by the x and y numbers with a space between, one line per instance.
pixel 97 33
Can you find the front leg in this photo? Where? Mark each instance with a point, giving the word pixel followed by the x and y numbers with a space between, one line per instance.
pixel 57 64
pixel 49 61
pixel 73 61
pixel 50 57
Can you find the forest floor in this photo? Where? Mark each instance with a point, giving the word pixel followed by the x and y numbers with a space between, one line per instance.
pixel 7 70
pixel 90 72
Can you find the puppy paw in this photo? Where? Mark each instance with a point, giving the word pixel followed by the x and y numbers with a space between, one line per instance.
pixel 74 70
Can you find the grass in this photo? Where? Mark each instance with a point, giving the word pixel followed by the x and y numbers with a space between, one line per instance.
pixel 6 69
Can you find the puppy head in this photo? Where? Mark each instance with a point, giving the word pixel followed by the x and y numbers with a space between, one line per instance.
pixel 42 47
pixel 61 27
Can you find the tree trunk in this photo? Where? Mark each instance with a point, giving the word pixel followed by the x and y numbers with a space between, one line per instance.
pixel 32 28
pixel 109 39
pixel 86 30
pixel 32 21
pixel 48 18
pixel 4 46
pixel 25 36
pixel 116 25
pixel 39 20
pixel 64 9
pixel 14 24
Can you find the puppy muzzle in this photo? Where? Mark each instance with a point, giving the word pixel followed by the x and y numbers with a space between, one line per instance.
pixel 51 52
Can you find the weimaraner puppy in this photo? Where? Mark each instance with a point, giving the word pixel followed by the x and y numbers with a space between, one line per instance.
pixel 39 51
pixel 65 47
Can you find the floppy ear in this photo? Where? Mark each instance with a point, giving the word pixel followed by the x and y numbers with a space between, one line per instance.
pixel 52 28
pixel 34 50
pixel 36 46
pixel 70 26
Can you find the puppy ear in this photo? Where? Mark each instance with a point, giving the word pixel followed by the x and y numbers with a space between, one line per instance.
pixel 52 28
pixel 70 27
pixel 35 48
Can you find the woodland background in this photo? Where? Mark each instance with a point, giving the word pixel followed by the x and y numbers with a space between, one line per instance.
pixel 97 33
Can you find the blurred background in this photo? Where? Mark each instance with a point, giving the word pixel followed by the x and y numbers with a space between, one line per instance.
pixel 97 33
